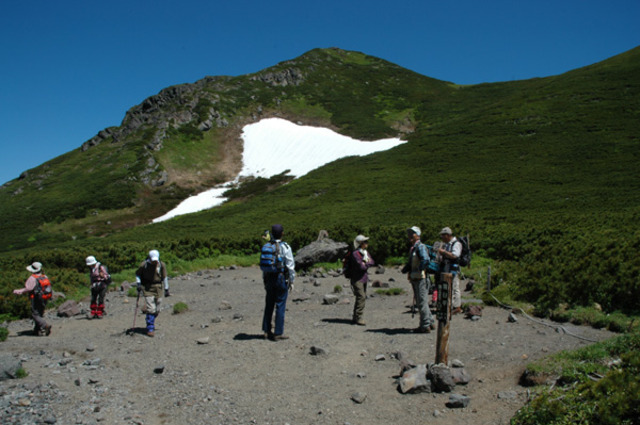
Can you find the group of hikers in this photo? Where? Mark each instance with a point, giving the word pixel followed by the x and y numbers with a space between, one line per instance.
pixel 278 267
pixel 151 278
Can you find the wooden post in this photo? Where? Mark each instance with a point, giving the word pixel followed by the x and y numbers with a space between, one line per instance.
pixel 442 342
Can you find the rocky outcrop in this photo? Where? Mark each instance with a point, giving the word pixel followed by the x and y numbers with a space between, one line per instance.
pixel 283 78
pixel 321 251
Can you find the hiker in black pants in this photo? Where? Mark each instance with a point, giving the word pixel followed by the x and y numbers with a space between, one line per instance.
pixel 38 287
pixel 277 283
pixel 99 277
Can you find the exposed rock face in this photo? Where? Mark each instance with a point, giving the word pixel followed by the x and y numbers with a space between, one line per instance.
pixel 286 77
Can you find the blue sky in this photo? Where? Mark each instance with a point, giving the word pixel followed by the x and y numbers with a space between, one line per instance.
pixel 71 68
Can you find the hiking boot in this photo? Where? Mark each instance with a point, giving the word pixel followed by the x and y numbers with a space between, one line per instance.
pixel 47 330
pixel 360 322
pixel 421 330
pixel 151 334
pixel 280 337
pixel 457 310
pixel 432 326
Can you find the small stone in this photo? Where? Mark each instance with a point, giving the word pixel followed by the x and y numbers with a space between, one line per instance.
pixel 330 299
pixel 91 347
pixel 225 305
pixel 158 369
pixel 380 357
pixel 203 341
pixel 317 351
pixel 238 316
pixel 361 375
pixel 512 318
pixel 458 401
pixel 456 363
pixel 359 397
pixel 216 319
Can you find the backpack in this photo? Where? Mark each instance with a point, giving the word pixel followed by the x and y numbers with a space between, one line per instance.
pixel 270 259
pixel 43 288
pixel 108 280
pixel 465 255
pixel 347 264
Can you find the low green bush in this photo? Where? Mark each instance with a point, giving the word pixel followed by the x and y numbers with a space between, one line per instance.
pixel 180 307
pixel 4 333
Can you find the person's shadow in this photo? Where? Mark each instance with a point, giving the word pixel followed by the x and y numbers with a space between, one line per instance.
pixel 339 321
pixel 248 337
pixel 392 331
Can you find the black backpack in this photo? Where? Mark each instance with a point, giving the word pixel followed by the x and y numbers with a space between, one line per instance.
pixel 465 255
pixel 347 261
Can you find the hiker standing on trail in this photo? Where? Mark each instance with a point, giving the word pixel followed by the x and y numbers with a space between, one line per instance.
pixel 100 280
pixel 361 261
pixel 278 274
pixel 450 255
pixel 39 288
pixel 416 274
pixel 150 277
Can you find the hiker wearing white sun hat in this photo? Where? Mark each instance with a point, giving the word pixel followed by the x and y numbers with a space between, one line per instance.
pixel 100 279
pixel 150 276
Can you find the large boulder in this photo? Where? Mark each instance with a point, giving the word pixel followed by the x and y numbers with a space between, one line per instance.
pixel 321 251
pixel 9 367
pixel 69 309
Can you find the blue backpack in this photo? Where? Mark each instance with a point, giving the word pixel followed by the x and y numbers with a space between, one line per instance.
pixel 270 258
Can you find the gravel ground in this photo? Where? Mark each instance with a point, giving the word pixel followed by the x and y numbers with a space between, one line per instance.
pixel 210 365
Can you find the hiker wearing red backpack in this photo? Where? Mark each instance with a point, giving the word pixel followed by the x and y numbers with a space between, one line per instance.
pixel 38 287
pixel 100 280
pixel 360 262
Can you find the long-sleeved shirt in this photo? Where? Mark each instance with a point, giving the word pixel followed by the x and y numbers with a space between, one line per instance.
pixel 29 285
pixel 287 255
pixel 362 261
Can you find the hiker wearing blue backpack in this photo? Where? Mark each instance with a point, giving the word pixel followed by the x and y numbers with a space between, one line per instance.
pixel 360 261
pixel 416 270
pixel 450 255
pixel 278 274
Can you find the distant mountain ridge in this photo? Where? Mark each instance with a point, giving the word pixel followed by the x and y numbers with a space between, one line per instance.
pixel 186 138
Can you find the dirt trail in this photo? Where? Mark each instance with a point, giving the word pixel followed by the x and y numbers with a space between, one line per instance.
pixel 236 377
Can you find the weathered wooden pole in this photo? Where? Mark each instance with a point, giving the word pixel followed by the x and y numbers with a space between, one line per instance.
pixel 444 319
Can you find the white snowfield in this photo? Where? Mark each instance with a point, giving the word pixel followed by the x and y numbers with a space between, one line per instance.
pixel 274 145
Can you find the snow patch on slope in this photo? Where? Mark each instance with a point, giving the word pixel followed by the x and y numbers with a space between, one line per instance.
pixel 274 145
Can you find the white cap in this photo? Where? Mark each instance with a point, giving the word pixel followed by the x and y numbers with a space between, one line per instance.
pixel 414 229
pixel 154 255
pixel 358 241
pixel 446 231
pixel 91 260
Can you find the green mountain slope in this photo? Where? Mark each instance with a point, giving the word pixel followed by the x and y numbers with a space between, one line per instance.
pixel 543 173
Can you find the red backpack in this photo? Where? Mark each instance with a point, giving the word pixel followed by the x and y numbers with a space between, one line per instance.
pixel 43 288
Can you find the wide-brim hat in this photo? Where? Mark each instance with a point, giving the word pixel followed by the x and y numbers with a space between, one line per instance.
pixel 35 267
pixel 91 260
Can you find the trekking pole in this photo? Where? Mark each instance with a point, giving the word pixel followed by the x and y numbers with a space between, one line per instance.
pixel 135 313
